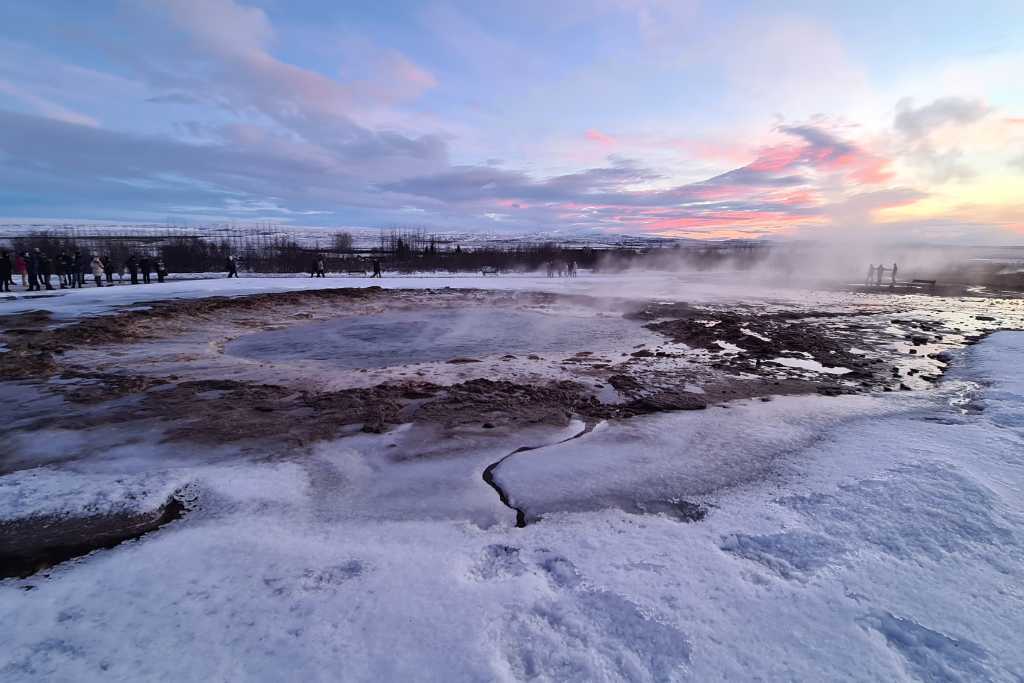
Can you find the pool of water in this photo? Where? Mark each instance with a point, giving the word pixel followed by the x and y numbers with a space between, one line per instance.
pixel 399 338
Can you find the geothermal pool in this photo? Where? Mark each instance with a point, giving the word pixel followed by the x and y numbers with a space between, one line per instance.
pixel 387 339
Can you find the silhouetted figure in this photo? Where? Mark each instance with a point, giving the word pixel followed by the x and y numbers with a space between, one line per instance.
pixel 232 267
pixel 76 266
pixel 5 272
pixel 63 268
pixel 108 269
pixel 32 266
pixel 146 267
pixel 871 275
pixel 45 270
pixel 133 269
pixel 321 268
pixel 879 272
pixel 161 270
pixel 79 264
pixel 376 269
pixel 892 283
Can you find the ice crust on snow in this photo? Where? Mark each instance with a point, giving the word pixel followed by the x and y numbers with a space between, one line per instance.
pixel 853 538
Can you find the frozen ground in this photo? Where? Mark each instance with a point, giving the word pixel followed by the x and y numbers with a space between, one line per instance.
pixel 693 287
pixel 874 537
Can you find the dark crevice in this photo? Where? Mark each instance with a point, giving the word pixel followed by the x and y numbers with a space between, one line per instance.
pixel 31 545
pixel 521 520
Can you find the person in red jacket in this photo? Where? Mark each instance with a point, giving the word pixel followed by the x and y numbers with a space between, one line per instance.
pixel 21 267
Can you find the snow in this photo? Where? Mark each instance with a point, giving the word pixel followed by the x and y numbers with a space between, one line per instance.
pixel 809 364
pixel 723 287
pixel 855 538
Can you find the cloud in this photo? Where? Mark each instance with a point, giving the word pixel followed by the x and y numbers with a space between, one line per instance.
pixel 600 138
pixel 1018 162
pixel 233 167
pixel 916 123
pixel 174 98
pixel 45 106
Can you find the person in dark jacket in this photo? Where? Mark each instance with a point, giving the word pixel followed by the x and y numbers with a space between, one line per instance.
pixel 146 265
pixel 83 265
pixel 32 261
pixel 108 269
pixel 45 270
pixel 133 269
pixel 5 272
pixel 75 265
pixel 62 269
pixel 161 270
pixel 231 266
pixel 376 268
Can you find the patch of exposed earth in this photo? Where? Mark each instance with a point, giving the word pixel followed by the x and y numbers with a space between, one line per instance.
pixel 169 359
pixel 165 366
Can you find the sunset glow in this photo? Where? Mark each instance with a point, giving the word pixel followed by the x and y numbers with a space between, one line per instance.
pixel 689 119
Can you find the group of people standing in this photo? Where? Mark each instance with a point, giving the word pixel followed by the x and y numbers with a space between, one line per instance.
pixel 561 268
pixel 319 268
pixel 876 273
pixel 37 268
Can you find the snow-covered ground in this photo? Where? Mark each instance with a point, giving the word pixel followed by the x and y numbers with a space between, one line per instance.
pixel 854 538
pixel 692 287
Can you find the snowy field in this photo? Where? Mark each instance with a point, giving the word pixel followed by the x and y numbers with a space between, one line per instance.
pixel 864 537
pixel 696 288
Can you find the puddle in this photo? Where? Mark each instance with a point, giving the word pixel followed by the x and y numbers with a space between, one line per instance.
pixel 388 339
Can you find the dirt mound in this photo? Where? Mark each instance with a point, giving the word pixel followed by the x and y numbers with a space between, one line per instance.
pixel 503 402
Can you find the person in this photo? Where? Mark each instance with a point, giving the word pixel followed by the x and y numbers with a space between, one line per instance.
pixel 161 270
pixel 5 272
pixel 45 270
pixel 21 265
pixel 232 267
pixel 78 265
pixel 879 272
pixel 892 283
pixel 147 267
pixel 321 268
pixel 62 269
pixel 133 269
pixel 97 270
pixel 871 274
pixel 376 269
pixel 32 266
pixel 108 268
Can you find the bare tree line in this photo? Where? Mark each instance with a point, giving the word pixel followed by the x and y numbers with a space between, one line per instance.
pixel 399 250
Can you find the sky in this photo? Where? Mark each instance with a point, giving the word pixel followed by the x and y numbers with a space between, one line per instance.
pixel 892 120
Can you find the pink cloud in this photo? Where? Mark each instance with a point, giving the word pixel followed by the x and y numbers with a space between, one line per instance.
pixel 600 138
